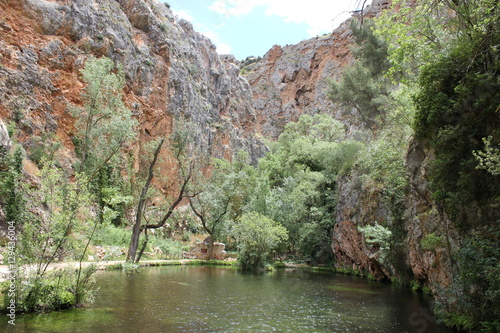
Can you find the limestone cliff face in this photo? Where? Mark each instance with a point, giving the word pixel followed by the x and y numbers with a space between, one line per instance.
pixel 425 219
pixel 292 80
pixel 427 237
pixel 359 206
pixel 171 71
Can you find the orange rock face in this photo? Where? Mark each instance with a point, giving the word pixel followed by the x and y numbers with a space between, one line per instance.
pixel 173 73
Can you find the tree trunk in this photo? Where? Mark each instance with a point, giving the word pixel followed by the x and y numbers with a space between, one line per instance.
pixel 143 248
pixel 136 230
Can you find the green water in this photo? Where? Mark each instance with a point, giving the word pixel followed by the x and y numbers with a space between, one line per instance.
pixel 208 299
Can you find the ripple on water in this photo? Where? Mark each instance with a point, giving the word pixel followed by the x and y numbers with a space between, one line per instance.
pixel 201 299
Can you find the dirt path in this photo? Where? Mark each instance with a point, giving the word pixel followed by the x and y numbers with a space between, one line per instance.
pixel 101 265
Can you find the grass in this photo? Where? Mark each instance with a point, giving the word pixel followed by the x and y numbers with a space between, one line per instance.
pixel 186 262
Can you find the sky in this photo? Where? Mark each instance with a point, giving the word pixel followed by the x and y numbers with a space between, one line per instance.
pixel 251 27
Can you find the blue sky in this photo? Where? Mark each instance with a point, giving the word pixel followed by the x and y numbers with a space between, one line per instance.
pixel 251 27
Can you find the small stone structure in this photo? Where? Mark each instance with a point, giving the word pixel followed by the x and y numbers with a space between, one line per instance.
pixel 201 250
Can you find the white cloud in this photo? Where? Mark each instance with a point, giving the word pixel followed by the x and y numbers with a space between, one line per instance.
pixel 184 15
pixel 236 7
pixel 222 48
pixel 320 15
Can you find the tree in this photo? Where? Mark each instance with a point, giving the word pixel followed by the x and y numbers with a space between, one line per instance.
pixel 224 195
pixel 416 34
pixel 363 86
pixel 257 235
pixel 54 206
pixel 11 192
pixel 213 203
pixel 104 123
pixel 301 170
pixel 185 170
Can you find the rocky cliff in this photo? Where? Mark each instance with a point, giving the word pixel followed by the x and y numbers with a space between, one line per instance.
pixel 172 72
pixel 292 80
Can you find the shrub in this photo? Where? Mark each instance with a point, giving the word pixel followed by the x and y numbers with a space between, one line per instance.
pixel 166 245
pixel 257 235
pixel 54 290
pixel 472 301
pixel 110 235
pixel 431 242
pixel 379 236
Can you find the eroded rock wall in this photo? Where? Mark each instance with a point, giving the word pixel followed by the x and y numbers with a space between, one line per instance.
pixel 172 72
pixel 434 266
pixel 292 80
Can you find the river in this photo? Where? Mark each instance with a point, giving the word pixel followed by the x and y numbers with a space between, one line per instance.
pixel 210 299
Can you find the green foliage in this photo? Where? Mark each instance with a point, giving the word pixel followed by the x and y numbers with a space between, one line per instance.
pixel 257 236
pixel 49 235
pixel 457 108
pixel 312 143
pixel 446 53
pixel 415 35
pixel 110 235
pixel 11 191
pixel 370 50
pixel 104 124
pixel 489 157
pixel 472 301
pixel 44 148
pixel 246 65
pixel 115 203
pixel 104 129
pixel 418 287
pixel 54 211
pixel 50 216
pixel 362 85
pixel 223 197
pixel 431 242
pixel 382 162
pixel 379 237
pixel 166 245
pixel 55 290
pixel 298 181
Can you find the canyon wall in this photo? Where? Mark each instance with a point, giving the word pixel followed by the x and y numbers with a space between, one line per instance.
pixel 173 72
pixel 292 80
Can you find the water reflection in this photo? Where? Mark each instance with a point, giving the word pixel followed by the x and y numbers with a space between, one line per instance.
pixel 207 299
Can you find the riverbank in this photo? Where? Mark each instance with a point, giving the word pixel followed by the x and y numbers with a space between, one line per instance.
pixel 113 264
pixel 214 299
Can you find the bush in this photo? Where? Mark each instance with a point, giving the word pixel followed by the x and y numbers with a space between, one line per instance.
pixel 431 242
pixel 110 235
pixel 457 106
pixel 379 236
pixel 257 235
pixel 472 301
pixel 54 290
pixel 166 245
